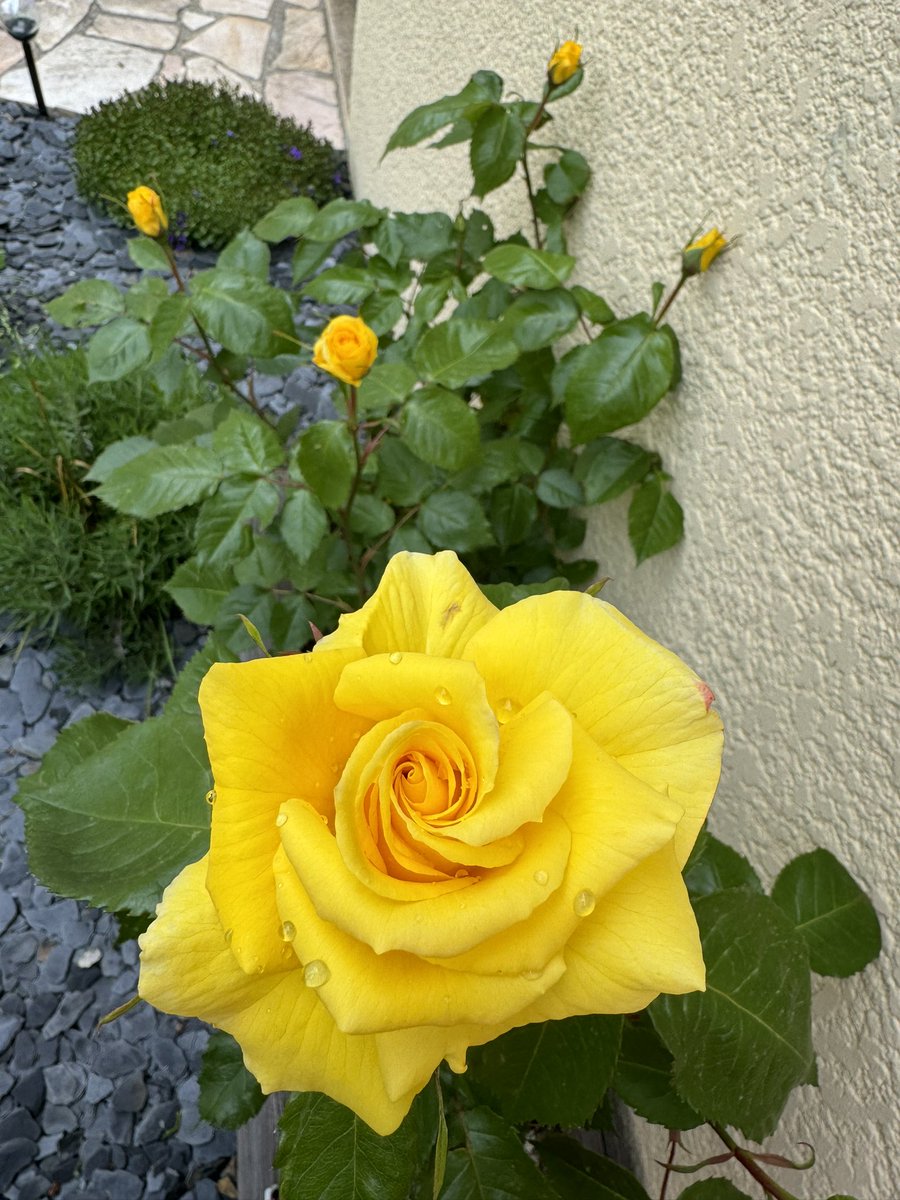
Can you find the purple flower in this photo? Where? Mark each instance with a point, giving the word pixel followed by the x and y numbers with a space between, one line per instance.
pixel 230 133
pixel 295 153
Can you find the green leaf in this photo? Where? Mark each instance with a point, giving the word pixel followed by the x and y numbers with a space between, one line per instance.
pixel 505 594
pixel 594 307
pixel 643 1078
pixel 424 235
pixel 513 513
pixel 144 298
pixel 229 1094
pixel 115 812
pixel 242 314
pixel 199 590
pixel 441 429
pixel 247 254
pixel 523 266
pixel 340 285
pixel 830 912
pixel 371 517
pixel 454 521
pixel 327 1153
pixel 655 520
pixel 520 1071
pixel 381 311
pixel 567 88
pixel 164 479
pixel 717 867
pixel 89 302
pixel 340 217
pixel 538 319
pixel 303 524
pixel 117 349
pixel 116 455
pixel 427 119
pixel 459 350
pixel 492 1164
pixel 289 218
pixel 247 445
pixel 741 1046
pixel 713 1189
pixel 566 179
pixel 328 461
pixel 386 385
pixel 148 254
pixel 307 258
pixel 609 466
pixel 498 143
pixel 403 479
pixel 223 530
pixel 617 379
pixel 168 322
pixel 559 489
pixel 579 1174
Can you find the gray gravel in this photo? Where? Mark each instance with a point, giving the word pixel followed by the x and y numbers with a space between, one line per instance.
pixel 109 1114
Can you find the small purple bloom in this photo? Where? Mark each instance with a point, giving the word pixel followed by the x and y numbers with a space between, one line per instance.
pixel 295 153
pixel 230 133
pixel 337 179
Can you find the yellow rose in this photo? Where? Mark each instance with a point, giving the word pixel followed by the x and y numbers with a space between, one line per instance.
pixel 346 349
pixel 443 822
pixel 147 212
pixel 699 255
pixel 564 62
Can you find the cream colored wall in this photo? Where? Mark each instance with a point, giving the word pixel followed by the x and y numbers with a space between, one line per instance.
pixel 775 118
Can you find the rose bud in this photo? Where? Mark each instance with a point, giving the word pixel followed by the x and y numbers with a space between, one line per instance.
pixel 147 211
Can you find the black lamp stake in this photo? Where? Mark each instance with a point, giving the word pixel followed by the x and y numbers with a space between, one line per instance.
pixel 23 30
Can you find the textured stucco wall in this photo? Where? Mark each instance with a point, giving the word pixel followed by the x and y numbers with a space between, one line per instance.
pixel 775 118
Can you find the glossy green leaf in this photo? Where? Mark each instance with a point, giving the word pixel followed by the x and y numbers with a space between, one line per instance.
pixel 117 349
pixel 199 590
pixel 523 266
pixel 381 311
pixel 424 235
pixel 328 462
pixel 370 517
pixel 715 867
pixel 643 1078
pixel 440 428
pixel 403 479
pixel 513 513
pixel 655 520
pixel 289 218
pixel 498 143
pixel 242 314
pixel 558 488
pixel 88 302
pixel 248 254
pixel 713 1189
pixel 459 350
pixel 303 524
pixel 491 1164
pixel 594 307
pixel 340 285
pixel 116 455
pixel 566 179
pixel 454 521
pixel 340 217
pixel 578 1174
pixel 520 1071
pixel 609 466
pixel 386 385
pixel 538 319
pixel 229 1094
pixel 427 119
pixel 164 479
pixel 223 530
pixel 830 912
pixel 617 379
pixel 307 258
pixel 247 445
pixel 741 1046
pixel 117 809
pixel 168 323
pixel 148 254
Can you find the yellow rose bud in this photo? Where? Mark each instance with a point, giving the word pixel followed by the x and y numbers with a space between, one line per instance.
pixel 700 253
pixel 564 62
pixel 443 822
pixel 346 349
pixel 147 212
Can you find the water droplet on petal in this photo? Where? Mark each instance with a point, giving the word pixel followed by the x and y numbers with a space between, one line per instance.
pixel 211 796
pixel 584 903
pixel 541 878
pixel 462 873
pixel 536 973
pixel 442 696
pixel 316 973
pixel 395 658
pixel 288 931
pixel 505 710
pixel 281 819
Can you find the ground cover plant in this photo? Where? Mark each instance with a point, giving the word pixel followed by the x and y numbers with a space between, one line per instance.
pixel 469 825
pixel 219 158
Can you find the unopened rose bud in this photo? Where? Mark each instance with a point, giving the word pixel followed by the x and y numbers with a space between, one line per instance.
pixel 699 254
pixel 564 62
pixel 147 211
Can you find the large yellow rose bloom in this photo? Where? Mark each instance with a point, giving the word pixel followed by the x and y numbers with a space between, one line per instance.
pixel 444 822
pixel 346 349
pixel 147 211
pixel 564 62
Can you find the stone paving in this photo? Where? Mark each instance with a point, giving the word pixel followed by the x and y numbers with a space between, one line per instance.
pixel 92 50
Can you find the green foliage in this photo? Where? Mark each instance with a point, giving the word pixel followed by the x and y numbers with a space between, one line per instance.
pixel 219 159
pixel 67 559
pixel 229 1094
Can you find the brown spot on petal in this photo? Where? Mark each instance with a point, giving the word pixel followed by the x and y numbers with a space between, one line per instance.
pixel 707 693
pixel 449 613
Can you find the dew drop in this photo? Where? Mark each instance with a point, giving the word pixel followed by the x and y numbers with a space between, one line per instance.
pixel 211 796
pixel 229 934
pixel 442 696
pixel 584 903
pixel 288 931
pixel 505 710
pixel 536 973
pixel 395 658
pixel 281 819
pixel 541 878
pixel 316 973
pixel 462 873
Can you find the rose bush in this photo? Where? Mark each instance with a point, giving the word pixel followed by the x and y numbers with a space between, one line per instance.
pixel 444 822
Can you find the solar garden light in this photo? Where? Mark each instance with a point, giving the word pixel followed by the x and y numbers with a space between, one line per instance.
pixel 20 20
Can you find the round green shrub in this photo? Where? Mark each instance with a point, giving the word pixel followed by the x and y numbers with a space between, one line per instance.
pixel 218 159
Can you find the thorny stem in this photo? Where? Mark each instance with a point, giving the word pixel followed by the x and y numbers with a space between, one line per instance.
pixel 673 1147
pixel 665 308
pixel 747 1161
